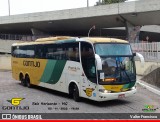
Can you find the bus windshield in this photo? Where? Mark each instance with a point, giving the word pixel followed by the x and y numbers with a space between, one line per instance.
pixel 113 49
pixel 117 63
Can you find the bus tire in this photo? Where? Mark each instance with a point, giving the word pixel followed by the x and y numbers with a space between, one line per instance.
pixel 27 80
pixel 23 83
pixel 76 93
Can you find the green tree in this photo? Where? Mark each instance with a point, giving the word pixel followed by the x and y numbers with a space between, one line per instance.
pixel 103 2
pixel 112 1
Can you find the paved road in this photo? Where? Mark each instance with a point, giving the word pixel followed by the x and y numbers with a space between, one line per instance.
pixel 61 103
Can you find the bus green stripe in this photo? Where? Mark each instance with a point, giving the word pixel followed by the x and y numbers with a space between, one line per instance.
pixel 57 72
pixel 53 71
pixel 48 70
pixel 130 85
pixel 65 41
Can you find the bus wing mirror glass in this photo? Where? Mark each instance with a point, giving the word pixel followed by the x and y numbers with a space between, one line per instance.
pixel 141 58
pixel 98 62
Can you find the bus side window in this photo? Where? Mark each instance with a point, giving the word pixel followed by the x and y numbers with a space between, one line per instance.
pixel 26 51
pixel 39 51
pixel 88 61
pixel 55 51
pixel 14 51
pixel 30 51
pixel 72 52
pixel 49 51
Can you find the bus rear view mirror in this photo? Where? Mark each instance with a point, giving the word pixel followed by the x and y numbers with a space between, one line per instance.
pixel 141 58
pixel 98 62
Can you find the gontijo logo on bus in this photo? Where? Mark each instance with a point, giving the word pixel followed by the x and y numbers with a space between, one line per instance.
pixel 15 101
pixel 89 91
pixel 31 63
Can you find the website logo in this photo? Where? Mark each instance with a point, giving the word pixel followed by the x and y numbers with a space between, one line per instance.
pixel 149 108
pixel 15 101
pixel 6 116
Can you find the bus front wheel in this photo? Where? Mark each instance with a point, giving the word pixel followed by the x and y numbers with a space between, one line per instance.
pixel 76 93
pixel 27 80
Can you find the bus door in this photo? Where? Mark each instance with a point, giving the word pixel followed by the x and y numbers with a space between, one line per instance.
pixel 88 78
pixel 73 66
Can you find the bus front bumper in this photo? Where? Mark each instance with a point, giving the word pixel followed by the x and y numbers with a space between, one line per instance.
pixel 119 95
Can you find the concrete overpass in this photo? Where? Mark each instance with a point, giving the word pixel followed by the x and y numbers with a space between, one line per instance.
pixel 143 12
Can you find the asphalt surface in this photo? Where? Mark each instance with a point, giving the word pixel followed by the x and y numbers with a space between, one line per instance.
pixel 42 100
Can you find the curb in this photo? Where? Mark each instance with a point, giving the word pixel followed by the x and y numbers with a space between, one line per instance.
pixel 149 87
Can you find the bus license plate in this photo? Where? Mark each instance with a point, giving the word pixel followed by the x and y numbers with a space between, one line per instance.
pixel 121 96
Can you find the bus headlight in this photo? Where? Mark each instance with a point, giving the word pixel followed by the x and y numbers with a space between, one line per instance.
pixel 104 91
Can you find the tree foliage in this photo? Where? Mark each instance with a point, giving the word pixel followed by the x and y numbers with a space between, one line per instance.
pixel 103 2
pixel 112 1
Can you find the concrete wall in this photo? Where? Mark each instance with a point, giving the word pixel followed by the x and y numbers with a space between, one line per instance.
pixel 5 45
pixel 148 67
pixel 5 62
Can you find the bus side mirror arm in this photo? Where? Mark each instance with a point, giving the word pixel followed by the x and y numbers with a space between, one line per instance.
pixel 134 54
pixel 98 62
pixel 141 58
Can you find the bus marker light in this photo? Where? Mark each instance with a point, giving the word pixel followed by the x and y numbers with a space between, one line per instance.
pixel 109 79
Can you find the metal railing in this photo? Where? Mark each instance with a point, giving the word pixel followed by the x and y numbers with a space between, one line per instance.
pixel 20 37
pixel 150 51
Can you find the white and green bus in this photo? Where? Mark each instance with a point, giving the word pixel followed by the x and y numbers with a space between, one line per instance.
pixel 99 69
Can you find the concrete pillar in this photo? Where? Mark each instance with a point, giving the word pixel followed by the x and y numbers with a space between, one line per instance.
pixel 132 33
pixel 37 32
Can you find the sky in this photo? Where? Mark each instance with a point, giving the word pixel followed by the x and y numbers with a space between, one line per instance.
pixel 30 6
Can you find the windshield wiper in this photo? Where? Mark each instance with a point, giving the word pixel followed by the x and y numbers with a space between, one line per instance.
pixel 121 68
